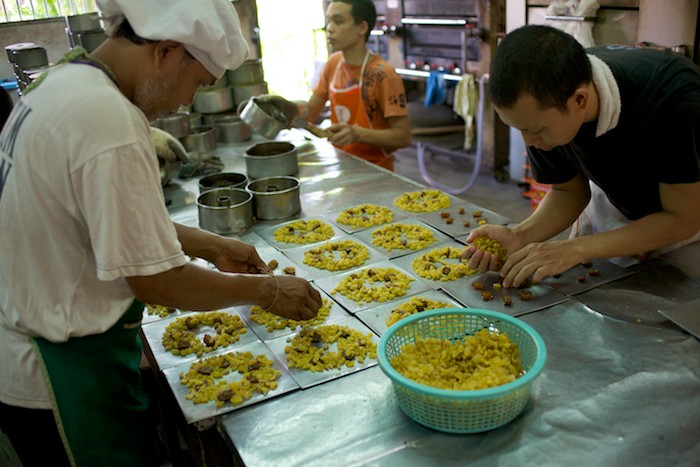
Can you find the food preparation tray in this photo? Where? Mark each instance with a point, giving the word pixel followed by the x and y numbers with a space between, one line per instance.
pixel 269 254
pixel 328 284
pixel 150 318
pixel 388 197
pixel 296 255
pixel 306 378
pixel 543 296
pixel 267 233
pixel 335 313
pixel 166 359
pixel 457 229
pixel 366 236
pixel 198 412
pixel 397 214
pixel 584 277
pixel 375 318
pixel 406 262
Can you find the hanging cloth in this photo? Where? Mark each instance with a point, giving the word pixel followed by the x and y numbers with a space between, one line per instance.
pixel 435 89
pixel 347 106
pixel 464 105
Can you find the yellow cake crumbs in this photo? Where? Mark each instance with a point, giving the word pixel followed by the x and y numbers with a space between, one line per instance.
pixel 205 382
pixel 159 310
pixel 435 265
pixel 365 215
pixel 303 232
pixel 403 237
pixel 484 360
pixel 273 322
pixel 180 339
pixel 413 306
pixel 491 246
pixel 337 256
pixel 328 347
pixel 422 201
pixel 385 284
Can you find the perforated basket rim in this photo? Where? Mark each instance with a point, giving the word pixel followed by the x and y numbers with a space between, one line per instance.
pixel 490 393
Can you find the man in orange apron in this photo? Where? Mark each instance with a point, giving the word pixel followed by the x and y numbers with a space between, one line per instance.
pixel 368 100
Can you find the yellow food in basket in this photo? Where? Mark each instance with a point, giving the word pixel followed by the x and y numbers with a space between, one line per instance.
pixel 327 347
pixel 303 232
pixel 337 256
pixel 180 338
pixel 492 246
pixel 403 237
pixel 434 265
pixel 365 215
pixel 413 306
pixel 205 378
pixel 384 284
pixel 422 201
pixel 484 360
pixel 272 321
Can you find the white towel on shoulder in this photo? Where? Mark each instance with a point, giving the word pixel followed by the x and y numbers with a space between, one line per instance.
pixel 609 102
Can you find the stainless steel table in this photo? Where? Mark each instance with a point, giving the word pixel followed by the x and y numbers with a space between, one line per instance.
pixel 621 385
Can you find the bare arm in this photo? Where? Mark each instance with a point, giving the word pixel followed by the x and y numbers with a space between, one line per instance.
pixel 314 108
pixel 398 135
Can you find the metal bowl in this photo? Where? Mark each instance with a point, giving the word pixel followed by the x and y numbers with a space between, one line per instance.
pixel 200 139
pixel 225 210
pixel 275 197
pixel 231 129
pixel 177 124
pixel 272 159
pixel 243 92
pixel 251 71
pixel 213 100
pixel 262 117
pixel 222 180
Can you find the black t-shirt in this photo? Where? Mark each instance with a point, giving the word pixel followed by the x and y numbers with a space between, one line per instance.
pixel 657 138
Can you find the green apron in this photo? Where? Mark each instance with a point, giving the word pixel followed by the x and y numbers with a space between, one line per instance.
pixel 100 406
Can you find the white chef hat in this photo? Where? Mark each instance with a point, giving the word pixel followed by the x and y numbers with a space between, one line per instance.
pixel 208 29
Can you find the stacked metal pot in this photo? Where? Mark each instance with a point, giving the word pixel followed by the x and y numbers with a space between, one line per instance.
pixel 28 61
pixel 85 31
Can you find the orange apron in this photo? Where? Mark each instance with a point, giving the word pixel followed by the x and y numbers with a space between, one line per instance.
pixel 348 107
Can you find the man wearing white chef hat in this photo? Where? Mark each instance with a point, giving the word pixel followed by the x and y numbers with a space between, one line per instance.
pixel 87 238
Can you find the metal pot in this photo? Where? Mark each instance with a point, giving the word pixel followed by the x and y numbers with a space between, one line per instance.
pixel 29 57
pixel 251 71
pixel 200 139
pixel 177 124
pixel 273 159
pixel 9 49
pixel 211 119
pixel 225 210
pixel 243 92
pixel 231 129
pixel 213 100
pixel 83 23
pixel 262 117
pixel 275 197
pixel 222 180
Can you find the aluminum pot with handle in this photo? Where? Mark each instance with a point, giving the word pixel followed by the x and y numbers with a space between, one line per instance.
pixel 262 117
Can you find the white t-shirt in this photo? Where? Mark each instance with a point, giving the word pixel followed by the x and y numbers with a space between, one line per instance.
pixel 81 208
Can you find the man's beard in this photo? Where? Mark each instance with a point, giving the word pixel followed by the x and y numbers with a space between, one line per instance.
pixel 151 95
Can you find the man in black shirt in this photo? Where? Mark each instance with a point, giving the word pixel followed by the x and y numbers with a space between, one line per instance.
pixel 616 131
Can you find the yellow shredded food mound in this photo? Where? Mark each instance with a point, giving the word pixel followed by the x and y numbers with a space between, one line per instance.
pixel 365 215
pixel 272 321
pixel 413 306
pixel 403 237
pixel 159 310
pixel 180 338
pixel 492 246
pixel 205 382
pixel 422 201
pixel 435 265
pixel 327 347
pixel 484 360
pixel 303 232
pixel 385 284
pixel 337 256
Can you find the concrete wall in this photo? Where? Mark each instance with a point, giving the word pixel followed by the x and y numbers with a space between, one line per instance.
pixel 48 33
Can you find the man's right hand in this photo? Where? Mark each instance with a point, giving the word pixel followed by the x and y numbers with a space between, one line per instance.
pixel 297 300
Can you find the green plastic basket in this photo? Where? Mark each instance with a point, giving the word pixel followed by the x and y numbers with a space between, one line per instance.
pixel 456 411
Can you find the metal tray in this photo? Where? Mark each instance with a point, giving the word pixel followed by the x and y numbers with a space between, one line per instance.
pixel 198 412
pixel 306 378
pixel 283 261
pixel 329 283
pixel 335 313
pixel 267 233
pixel 376 317
pixel 457 229
pixel 296 255
pixel 406 263
pixel 543 296
pixel 165 359
pixel 398 215
pixel 148 318
pixel 388 198
pixel 366 236
pixel 568 284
